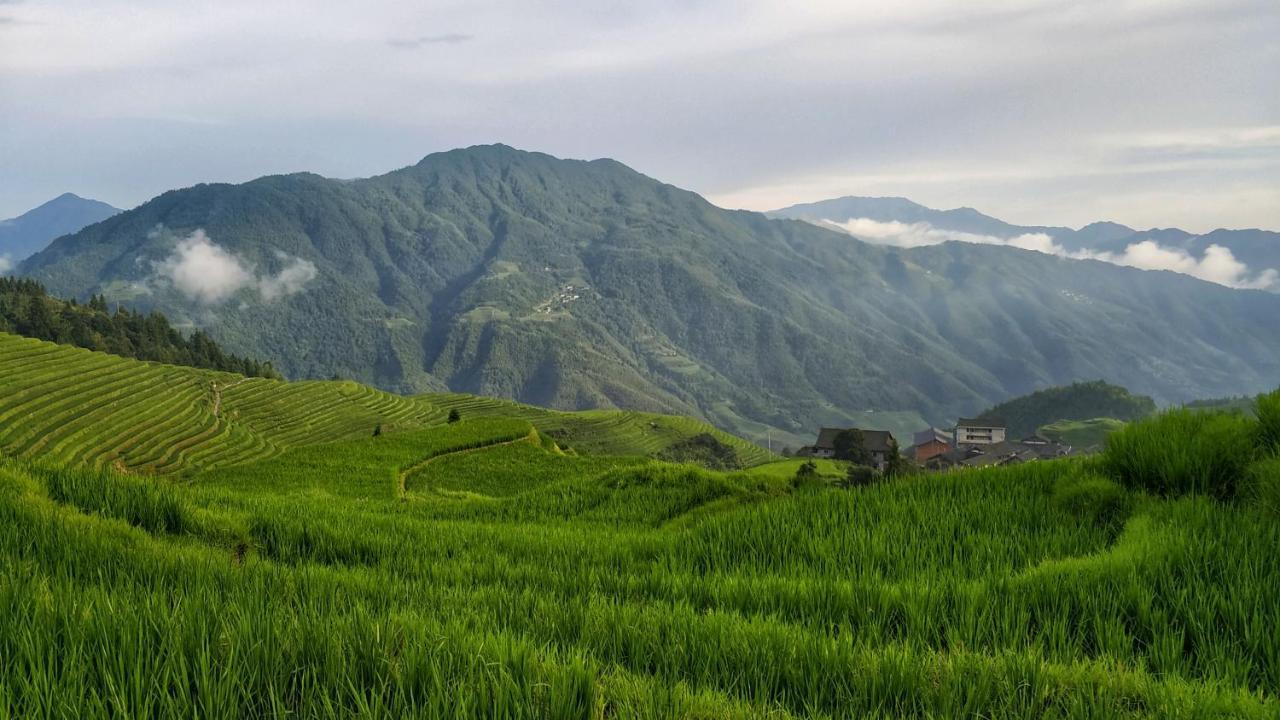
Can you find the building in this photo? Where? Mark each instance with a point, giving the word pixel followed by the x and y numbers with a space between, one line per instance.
pixel 929 443
pixel 879 444
pixel 1000 453
pixel 971 431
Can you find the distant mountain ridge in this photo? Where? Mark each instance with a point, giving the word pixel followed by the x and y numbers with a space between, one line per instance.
pixel 1258 249
pixel 581 284
pixel 32 231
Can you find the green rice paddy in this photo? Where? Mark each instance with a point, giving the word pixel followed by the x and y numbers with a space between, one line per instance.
pixel 278 560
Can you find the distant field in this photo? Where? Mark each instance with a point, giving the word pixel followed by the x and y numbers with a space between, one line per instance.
pixel 1082 434
pixel 606 432
pixel 82 407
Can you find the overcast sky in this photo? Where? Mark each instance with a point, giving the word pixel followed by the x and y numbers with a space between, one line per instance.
pixel 1147 112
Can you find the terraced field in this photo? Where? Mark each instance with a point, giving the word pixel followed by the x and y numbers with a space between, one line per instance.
pixel 85 408
pixel 603 432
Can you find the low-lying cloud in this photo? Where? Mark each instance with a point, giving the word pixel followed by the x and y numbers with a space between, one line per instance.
pixel 295 275
pixel 5 264
pixel 900 234
pixel 210 274
pixel 1218 264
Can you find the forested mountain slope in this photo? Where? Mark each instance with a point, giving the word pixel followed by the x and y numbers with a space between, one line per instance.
pixel 585 284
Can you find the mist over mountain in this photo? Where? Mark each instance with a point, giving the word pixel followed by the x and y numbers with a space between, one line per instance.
pixel 1235 258
pixel 581 284
pixel 32 231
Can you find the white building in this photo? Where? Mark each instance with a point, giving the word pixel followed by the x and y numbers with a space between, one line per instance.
pixel 979 432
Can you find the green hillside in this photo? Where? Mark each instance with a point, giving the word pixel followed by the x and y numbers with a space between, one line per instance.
pixel 100 410
pixel 586 285
pixel 26 309
pixel 1078 401
pixel 472 569
pixel 1081 434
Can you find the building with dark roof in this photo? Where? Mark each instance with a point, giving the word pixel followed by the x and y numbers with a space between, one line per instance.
pixel 879 444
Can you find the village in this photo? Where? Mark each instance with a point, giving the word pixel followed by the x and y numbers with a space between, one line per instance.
pixel 972 442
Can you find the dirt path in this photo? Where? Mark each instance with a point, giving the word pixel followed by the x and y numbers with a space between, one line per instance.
pixel 402 477
pixel 217 395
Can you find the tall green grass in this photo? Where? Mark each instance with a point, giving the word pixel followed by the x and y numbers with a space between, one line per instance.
pixel 515 582
pixel 1268 414
pixel 1183 451
pixel 146 502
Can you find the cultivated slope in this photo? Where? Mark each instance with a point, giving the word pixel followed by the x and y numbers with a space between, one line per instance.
pixel 89 408
pixel 585 284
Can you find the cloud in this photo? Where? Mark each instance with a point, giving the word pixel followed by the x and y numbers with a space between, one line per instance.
pixel 424 40
pixel 1217 265
pixel 900 234
pixel 210 274
pixel 5 264
pixel 297 273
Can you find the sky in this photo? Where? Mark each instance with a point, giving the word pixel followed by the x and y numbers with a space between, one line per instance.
pixel 1153 113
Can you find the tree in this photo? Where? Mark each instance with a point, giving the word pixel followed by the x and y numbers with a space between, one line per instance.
pixel 894 463
pixel 454 415
pixel 851 445
pixel 377 430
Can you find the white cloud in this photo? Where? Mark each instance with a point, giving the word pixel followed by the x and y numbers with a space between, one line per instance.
pixel 210 274
pixel 5 264
pixel 1218 264
pixel 203 270
pixel 900 234
pixel 297 273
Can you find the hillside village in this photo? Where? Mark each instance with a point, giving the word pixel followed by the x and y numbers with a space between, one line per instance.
pixel 972 442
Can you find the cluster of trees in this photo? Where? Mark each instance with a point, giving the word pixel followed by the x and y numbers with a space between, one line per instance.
pixel 27 309
pixel 1079 401
pixel 850 446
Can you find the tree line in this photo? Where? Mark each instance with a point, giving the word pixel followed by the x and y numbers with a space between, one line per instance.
pixel 26 308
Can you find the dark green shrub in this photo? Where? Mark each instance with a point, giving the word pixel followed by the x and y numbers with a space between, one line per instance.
pixel 1182 451
pixel 454 415
pixel 1097 499
pixel 1268 408
pixel 860 476
pixel 806 477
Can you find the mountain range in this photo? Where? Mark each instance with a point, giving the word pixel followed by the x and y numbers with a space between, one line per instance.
pixel 32 231
pixel 580 284
pixel 899 221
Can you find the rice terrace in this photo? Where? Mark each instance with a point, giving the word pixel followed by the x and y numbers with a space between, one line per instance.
pixel 280 559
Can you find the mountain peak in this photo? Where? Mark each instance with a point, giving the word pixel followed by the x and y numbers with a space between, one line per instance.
pixel 33 230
